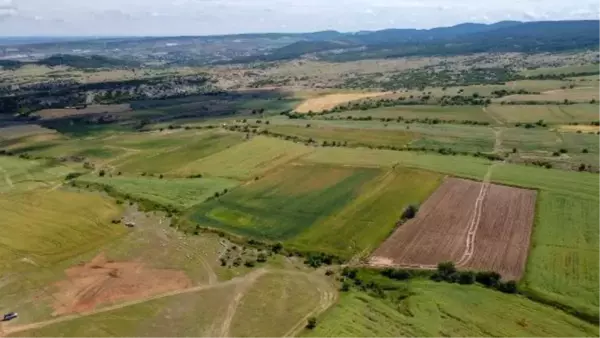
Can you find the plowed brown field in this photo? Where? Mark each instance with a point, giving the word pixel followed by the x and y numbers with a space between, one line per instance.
pixel 439 232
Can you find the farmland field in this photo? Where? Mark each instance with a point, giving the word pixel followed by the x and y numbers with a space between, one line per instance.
pixel 458 113
pixel 501 230
pixel 320 103
pixel 561 70
pixel 369 219
pixel 18 174
pixel 246 160
pixel 441 309
pixel 364 137
pixel 178 193
pixel 302 195
pixel 577 94
pixel 563 263
pixel 560 114
pixel 36 229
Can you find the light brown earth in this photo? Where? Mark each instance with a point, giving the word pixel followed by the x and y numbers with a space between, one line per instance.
pixel 104 282
pixel 576 128
pixel 318 104
pixel 48 114
pixel 499 218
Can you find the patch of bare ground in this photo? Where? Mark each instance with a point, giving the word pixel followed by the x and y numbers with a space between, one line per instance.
pixel 318 104
pixel 478 226
pixel 48 114
pixel 105 282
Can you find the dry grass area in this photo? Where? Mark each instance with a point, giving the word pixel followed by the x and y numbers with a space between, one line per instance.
pixel 318 104
pixel 450 227
pixel 579 127
pixel 104 282
pixel 48 114
pixel 25 130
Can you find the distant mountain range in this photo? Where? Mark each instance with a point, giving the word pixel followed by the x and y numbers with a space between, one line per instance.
pixel 504 36
pixel 466 38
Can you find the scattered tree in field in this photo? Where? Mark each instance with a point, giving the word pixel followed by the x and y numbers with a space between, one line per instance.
pixel 101 173
pixel 410 212
pixel 312 323
pixel 585 151
pixel 277 247
pixel 488 278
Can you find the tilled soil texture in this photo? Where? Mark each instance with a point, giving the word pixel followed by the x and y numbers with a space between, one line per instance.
pixel 105 282
pixel 439 232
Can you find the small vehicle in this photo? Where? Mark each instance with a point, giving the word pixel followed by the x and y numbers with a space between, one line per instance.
pixel 10 316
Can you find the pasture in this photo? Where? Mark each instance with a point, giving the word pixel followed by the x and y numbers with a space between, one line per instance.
pixel 179 193
pixel 348 136
pixel 457 113
pixel 441 309
pixel 18 174
pixel 246 160
pixel 302 195
pixel 555 114
pixel 48 114
pixel 44 228
pixel 585 68
pixel 367 220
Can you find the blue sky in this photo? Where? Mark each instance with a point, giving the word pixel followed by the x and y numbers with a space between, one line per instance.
pixel 202 17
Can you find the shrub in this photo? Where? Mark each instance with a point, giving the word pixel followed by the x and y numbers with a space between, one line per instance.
pixel 488 278
pixel 345 286
pixel 466 277
pixel 409 212
pixel 249 264
pixel 585 151
pixel 311 323
pixel 508 287
pixel 101 173
pixel 277 247
pixel 563 151
pixel 261 258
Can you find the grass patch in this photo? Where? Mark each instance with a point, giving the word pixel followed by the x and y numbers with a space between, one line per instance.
pixel 176 193
pixel 246 160
pixel 49 227
pixel 371 216
pixel 441 309
pixel 285 203
pixel 458 113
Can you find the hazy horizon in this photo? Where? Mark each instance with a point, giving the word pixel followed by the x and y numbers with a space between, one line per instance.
pixel 61 18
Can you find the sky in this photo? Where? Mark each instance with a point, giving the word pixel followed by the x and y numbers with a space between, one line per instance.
pixel 206 17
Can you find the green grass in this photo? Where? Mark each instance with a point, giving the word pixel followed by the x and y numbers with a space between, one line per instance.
pixel 353 137
pixel 458 113
pixel 246 160
pixel 441 309
pixel 464 166
pixel 563 261
pixel 559 114
pixel 274 304
pixel 285 203
pixel 177 193
pixel 53 226
pixel 372 216
pixel 166 160
pixel 18 174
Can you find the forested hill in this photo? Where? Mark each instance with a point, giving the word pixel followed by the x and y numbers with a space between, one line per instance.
pixel 505 36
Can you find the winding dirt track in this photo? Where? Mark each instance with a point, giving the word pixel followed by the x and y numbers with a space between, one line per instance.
pixel 19 328
pixel 327 298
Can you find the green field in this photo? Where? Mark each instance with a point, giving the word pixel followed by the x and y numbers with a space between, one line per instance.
pixel 557 114
pixel 179 193
pixel 457 113
pixel 446 310
pixel 563 262
pixel 370 218
pixel 246 160
pixel 349 136
pixel 285 203
pixel 465 166
pixel 45 228
pixel 18 174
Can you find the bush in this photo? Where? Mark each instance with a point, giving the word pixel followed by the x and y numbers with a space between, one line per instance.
pixel 563 151
pixel 249 264
pixel 398 274
pixel 466 277
pixel 345 286
pixel 508 287
pixel 409 212
pixel 312 323
pixel 277 247
pixel 261 258
pixel 585 151
pixel 101 173
pixel 349 273
pixel 488 278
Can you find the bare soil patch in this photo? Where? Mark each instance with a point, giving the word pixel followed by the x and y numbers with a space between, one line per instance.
pixel 440 230
pixel 318 104
pixel 576 128
pixel 103 282
pixel 47 114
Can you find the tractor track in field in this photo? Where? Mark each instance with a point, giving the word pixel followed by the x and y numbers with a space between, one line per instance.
pixel 7 179
pixel 37 325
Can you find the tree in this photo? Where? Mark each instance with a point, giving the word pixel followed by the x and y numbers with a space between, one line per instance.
pixel 101 173
pixel 488 278
pixel 312 323
pixel 466 277
pixel 508 287
pixel 446 269
pixel 410 212
pixel 277 247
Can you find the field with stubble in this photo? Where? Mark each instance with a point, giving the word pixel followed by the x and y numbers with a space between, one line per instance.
pixel 476 225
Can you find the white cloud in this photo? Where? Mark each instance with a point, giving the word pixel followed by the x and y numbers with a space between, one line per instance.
pixel 199 17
